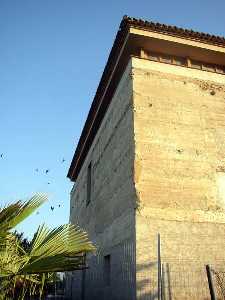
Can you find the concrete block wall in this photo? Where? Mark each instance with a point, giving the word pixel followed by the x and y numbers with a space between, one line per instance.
pixel 179 133
pixel 109 218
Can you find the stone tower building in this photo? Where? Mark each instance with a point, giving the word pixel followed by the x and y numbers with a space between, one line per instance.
pixel 151 159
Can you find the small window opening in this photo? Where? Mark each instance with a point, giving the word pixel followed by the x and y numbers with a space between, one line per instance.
pixel 166 59
pixel 107 270
pixel 89 171
pixel 153 56
pixel 220 69
pixel 196 64
pixel 179 61
pixel 208 67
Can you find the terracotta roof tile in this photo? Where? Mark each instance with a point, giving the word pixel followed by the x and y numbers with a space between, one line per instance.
pixel 173 30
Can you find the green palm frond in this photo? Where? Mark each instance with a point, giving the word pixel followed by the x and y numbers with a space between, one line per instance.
pixel 57 263
pixel 15 213
pixel 6 215
pixel 25 270
pixel 11 257
pixel 60 249
pixel 28 208
pixel 65 239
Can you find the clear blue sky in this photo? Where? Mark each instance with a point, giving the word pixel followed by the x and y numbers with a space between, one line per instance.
pixel 52 54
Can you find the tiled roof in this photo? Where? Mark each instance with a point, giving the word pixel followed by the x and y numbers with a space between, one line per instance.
pixel 99 107
pixel 173 30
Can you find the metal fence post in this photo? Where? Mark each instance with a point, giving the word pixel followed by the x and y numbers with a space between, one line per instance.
pixel 83 285
pixel 163 294
pixel 159 268
pixel 210 282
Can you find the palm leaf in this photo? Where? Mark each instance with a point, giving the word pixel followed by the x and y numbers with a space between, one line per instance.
pixel 57 263
pixel 63 239
pixel 52 250
pixel 60 249
pixel 15 213
pixel 7 214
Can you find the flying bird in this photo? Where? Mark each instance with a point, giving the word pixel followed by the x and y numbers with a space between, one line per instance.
pixel 46 171
pixel 63 160
pixel 48 182
pixel 59 205
pixel 36 170
pixel 52 208
pixel 1 155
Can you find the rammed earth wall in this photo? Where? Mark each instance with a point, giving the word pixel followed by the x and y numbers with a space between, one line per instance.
pixel 179 133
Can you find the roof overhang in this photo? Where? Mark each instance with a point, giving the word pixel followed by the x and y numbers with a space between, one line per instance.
pixel 134 35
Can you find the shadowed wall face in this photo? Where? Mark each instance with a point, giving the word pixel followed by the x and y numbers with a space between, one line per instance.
pixel 108 213
pixel 179 166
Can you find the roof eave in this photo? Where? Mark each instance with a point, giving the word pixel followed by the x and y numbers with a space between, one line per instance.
pixel 122 36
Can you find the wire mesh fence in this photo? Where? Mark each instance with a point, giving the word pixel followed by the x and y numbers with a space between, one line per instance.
pixel 218 278
pixel 181 260
pixel 181 280
pixel 187 278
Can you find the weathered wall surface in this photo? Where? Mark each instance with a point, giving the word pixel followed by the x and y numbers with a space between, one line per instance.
pixel 165 123
pixel 109 218
pixel 179 131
